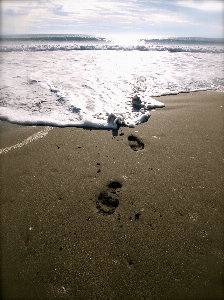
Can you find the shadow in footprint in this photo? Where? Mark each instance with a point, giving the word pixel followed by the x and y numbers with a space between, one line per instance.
pixel 135 143
pixel 108 200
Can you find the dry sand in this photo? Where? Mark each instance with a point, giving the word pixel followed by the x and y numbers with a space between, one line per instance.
pixel 84 216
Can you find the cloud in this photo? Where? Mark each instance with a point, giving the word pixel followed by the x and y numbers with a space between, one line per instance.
pixel 58 10
pixel 15 12
pixel 103 15
pixel 203 5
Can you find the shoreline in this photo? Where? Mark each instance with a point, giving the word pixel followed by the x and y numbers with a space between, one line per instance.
pixel 4 121
pixel 86 214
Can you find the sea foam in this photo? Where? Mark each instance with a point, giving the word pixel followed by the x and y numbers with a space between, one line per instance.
pixel 170 48
pixel 98 88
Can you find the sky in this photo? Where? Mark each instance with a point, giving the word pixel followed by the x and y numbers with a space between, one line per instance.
pixel 156 18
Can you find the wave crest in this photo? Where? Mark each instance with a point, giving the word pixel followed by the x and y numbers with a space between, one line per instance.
pixel 50 47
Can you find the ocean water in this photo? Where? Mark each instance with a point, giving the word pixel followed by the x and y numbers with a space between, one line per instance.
pixel 103 82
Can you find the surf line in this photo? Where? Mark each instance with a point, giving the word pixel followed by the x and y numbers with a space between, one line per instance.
pixel 30 139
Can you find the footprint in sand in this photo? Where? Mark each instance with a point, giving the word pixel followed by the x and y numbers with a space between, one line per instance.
pixel 135 143
pixel 108 200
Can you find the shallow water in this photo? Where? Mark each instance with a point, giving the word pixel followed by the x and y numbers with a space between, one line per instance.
pixel 100 88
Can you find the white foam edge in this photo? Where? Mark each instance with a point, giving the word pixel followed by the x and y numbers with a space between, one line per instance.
pixel 113 122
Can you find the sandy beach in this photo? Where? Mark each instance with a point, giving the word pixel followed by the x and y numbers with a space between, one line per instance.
pixel 131 214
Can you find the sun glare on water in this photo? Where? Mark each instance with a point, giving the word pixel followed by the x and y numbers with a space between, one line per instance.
pixel 125 39
pixel 130 39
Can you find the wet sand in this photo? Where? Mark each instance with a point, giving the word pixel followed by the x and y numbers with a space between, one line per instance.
pixel 133 214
